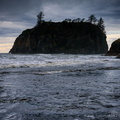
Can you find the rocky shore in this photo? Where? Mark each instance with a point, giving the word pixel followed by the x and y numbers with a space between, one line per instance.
pixel 114 49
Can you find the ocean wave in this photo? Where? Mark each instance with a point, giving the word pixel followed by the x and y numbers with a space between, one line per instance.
pixel 13 66
pixel 46 60
pixel 76 70
pixel 41 64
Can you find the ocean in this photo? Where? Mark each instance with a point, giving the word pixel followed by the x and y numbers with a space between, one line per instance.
pixel 59 87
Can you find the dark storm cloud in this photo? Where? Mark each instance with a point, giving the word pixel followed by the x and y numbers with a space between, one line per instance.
pixel 17 9
pixel 27 9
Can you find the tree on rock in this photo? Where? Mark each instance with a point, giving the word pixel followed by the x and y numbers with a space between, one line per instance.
pixel 92 19
pixel 40 17
pixel 101 24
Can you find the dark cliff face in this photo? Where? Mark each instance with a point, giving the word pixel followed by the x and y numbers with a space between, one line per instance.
pixel 49 37
pixel 114 49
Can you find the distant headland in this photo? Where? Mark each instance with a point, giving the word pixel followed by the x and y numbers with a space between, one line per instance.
pixel 78 36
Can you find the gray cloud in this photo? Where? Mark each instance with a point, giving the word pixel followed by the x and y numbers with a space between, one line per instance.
pixel 25 11
pixel 21 9
pixel 11 10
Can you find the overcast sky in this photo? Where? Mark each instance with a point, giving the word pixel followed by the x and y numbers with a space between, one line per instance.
pixel 18 15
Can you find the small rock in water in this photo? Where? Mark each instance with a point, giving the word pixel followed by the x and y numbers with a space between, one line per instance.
pixel 118 56
pixel 114 49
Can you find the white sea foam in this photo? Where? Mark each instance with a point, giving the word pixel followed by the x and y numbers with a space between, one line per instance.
pixel 66 87
pixel 43 60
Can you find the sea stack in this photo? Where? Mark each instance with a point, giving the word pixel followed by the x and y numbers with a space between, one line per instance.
pixel 61 37
pixel 118 56
pixel 114 49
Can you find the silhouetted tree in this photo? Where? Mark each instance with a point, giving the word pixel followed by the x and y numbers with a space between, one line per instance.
pixel 74 20
pixel 50 20
pixel 101 24
pixel 82 20
pixel 78 20
pixel 40 17
pixel 67 20
pixel 92 19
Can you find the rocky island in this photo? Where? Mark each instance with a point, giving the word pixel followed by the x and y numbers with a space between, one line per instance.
pixel 61 37
pixel 114 49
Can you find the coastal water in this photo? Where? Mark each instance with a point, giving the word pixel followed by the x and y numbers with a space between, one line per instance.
pixel 59 87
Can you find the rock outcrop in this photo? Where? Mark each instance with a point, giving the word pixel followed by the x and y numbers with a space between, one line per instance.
pixel 118 56
pixel 61 37
pixel 114 49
